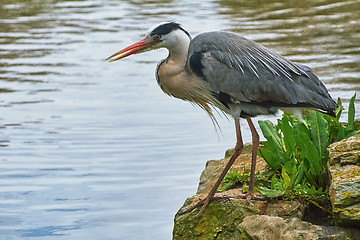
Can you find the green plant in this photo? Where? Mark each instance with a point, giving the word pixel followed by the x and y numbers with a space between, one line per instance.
pixel 340 130
pixel 234 177
pixel 281 185
pixel 297 151
pixel 296 154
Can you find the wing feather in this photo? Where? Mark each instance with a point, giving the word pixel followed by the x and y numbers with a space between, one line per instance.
pixel 250 73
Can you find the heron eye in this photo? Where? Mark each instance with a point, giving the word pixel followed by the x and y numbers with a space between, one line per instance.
pixel 158 37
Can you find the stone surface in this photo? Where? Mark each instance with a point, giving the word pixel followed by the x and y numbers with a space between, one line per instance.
pixel 219 221
pixel 345 194
pixel 221 218
pixel 262 227
pixel 345 181
pixel 284 209
pixel 345 152
pixel 237 219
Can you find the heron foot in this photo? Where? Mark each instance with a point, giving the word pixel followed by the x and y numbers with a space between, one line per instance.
pixel 249 196
pixel 204 202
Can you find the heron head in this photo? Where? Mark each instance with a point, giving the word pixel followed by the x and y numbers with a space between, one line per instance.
pixel 161 35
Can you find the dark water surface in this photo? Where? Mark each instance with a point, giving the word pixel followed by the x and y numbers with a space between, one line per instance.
pixel 92 150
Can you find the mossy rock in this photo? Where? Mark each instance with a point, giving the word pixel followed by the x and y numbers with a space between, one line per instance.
pixel 220 220
pixel 344 158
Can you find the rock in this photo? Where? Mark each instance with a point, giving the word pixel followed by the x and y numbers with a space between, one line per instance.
pixel 267 227
pixel 345 152
pixel 345 181
pixel 230 218
pixel 237 219
pixel 218 221
pixel 345 194
pixel 262 227
pixel 284 209
pixel 221 218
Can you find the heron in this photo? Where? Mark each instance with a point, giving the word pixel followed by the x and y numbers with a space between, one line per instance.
pixel 241 78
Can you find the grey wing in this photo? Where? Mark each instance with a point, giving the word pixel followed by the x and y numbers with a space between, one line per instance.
pixel 248 72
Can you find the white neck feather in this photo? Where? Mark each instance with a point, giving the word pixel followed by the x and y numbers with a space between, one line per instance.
pixel 178 45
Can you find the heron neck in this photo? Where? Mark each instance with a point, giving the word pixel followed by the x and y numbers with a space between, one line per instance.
pixel 171 73
pixel 178 52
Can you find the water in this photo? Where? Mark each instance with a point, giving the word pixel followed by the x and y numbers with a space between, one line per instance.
pixel 92 150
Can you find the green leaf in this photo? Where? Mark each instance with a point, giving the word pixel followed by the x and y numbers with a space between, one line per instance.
pixel 339 109
pixel 288 166
pixel 311 190
pixel 270 154
pixel 351 115
pixel 285 177
pixel 289 139
pixel 319 131
pixel 334 125
pixel 309 152
pixel 272 151
pixel 274 182
pixel 271 193
pixel 301 127
pixel 270 131
pixel 226 186
pixel 341 133
pixel 232 178
pixel 293 176
pixel 354 133
pixel 300 174
pixel 307 172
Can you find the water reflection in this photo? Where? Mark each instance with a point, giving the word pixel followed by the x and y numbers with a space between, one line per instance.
pixel 89 148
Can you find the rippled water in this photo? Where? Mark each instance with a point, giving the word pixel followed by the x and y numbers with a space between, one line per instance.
pixel 92 150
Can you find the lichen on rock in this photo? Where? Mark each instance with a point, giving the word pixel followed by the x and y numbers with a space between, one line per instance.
pixel 345 181
pixel 218 221
pixel 345 152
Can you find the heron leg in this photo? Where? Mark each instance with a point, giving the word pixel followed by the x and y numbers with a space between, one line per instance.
pixel 255 142
pixel 237 151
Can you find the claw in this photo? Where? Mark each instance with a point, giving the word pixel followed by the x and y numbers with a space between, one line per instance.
pixel 204 202
pixel 249 196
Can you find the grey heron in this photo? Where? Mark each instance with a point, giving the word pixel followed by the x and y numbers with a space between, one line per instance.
pixel 236 75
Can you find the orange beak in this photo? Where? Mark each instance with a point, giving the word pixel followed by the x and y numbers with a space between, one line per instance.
pixel 132 49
